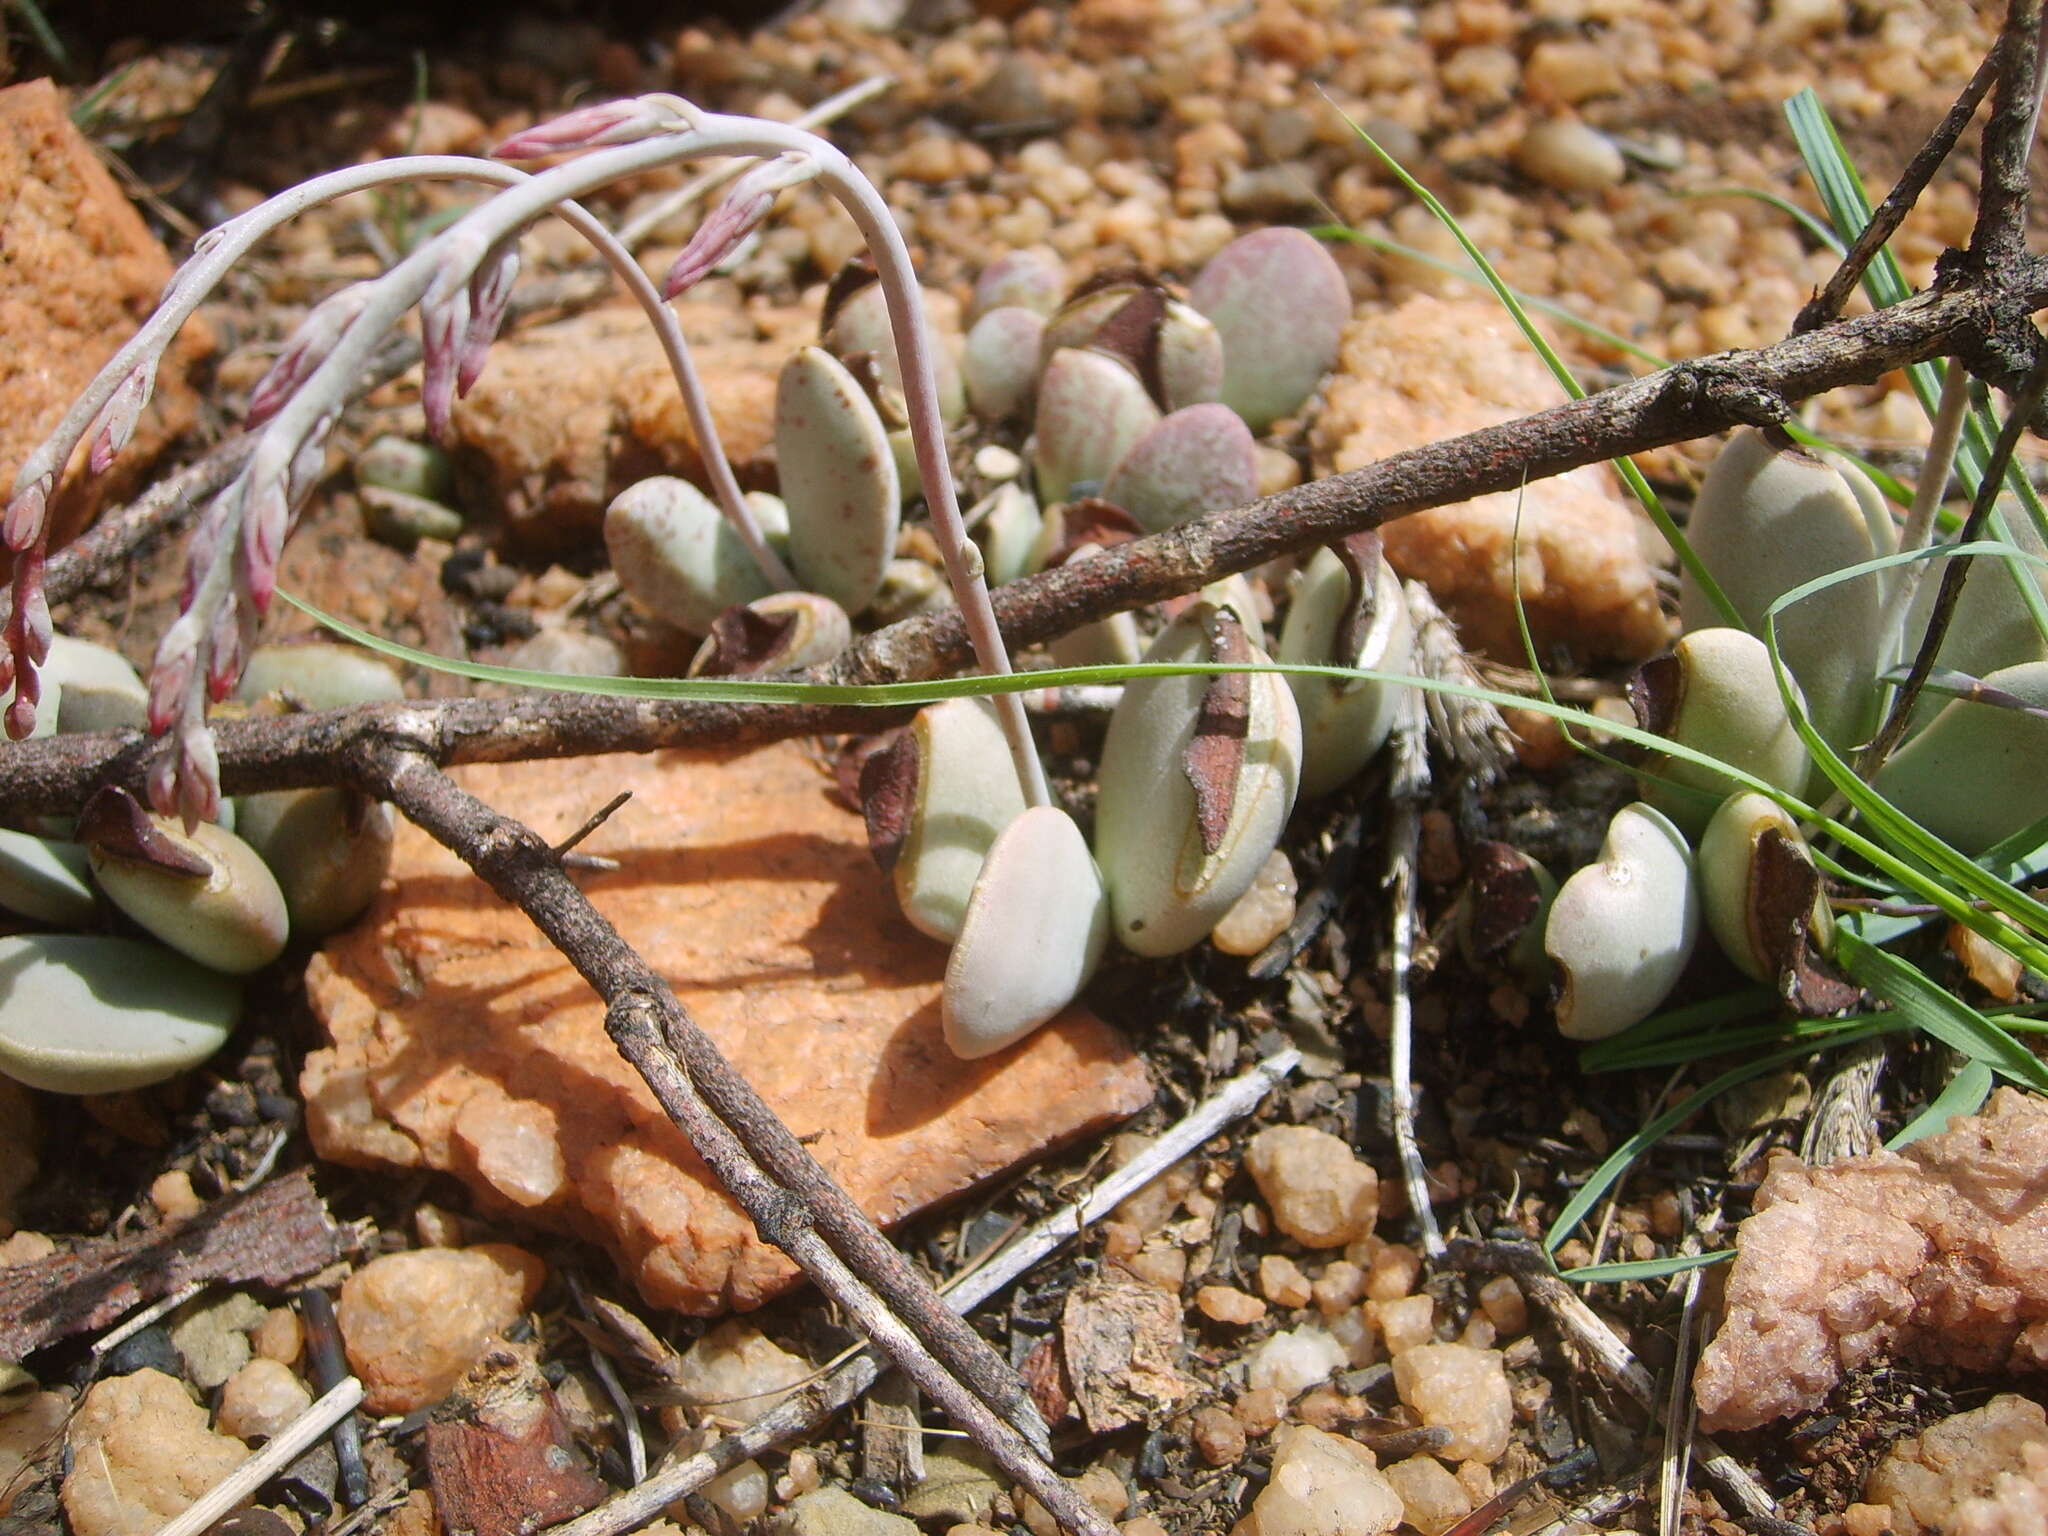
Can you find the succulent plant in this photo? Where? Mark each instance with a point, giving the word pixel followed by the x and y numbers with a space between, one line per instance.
pixel 329 849
pixel 1000 364
pixel 1279 305
pixel 1504 910
pixel 319 675
pixel 101 692
pixel 1973 776
pixel 1348 611
pixel 84 1014
pixel 205 892
pixel 1197 778
pixel 1198 459
pixel 838 479
pixel 1622 928
pixel 1770 517
pixel 777 633
pixel 857 321
pixel 1091 410
pixel 414 469
pixel 1033 933
pixel 1716 692
pixel 677 555
pixel 45 879
pixel 1758 885
pixel 1008 529
pixel 1030 279
pixel 935 799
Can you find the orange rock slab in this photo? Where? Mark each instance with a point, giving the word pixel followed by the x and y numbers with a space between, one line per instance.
pixel 461 1041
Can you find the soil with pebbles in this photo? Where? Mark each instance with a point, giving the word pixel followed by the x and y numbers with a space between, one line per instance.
pixel 1147 130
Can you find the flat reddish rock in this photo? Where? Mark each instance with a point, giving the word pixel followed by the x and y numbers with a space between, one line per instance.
pixel 462 1041
pixel 80 271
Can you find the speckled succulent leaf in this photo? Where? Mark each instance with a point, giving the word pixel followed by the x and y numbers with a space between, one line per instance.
pixel 1091 410
pixel 839 479
pixel 1007 532
pixel 1280 304
pixel 676 555
pixel 1033 934
pixel 1168 882
pixel 861 324
pixel 1030 279
pixel 1000 364
pixel 1622 928
pixel 1199 459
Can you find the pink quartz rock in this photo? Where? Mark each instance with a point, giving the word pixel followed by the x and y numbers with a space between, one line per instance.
pixel 1433 369
pixel 1940 1252
pixel 414 1323
pixel 462 1041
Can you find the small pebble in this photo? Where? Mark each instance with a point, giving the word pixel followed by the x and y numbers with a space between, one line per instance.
pixel 260 1399
pixel 1463 1390
pixel 1104 1490
pixel 26 1248
pixel 414 1323
pixel 1262 913
pixel 1502 1300
pixel 738 1373
pixel 1405 1322
pixel 1292 1362
pixel 1281 1281
pixel 172 1194
pixel 740 1493
pixel 140 1453
pixel 1218 1437
pixel 1321 1484
pixel 1160 1265
pixel 1432 1498
pixel 1339 1286
pixel 212 1337
pixel 1391 1272
pixel 280 1336
pixel 1227 1304
pixel 1260 1410
pixel 1564 153
pixel 1319 1192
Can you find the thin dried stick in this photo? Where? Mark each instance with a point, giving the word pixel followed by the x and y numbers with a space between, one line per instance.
pixel 1407 789
pixel 54 775
pixel 811 1405
pixel 2000 233
pixel 792 1201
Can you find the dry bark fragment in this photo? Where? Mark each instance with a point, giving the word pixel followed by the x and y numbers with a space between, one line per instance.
pixel 501 1458
pixel 273 1235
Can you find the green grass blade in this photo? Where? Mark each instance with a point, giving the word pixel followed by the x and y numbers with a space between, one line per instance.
pixel 1604 1178
pixel 1964 1095
pixel 1616 1052
pixel 1644 1269
pixel 1937 1012
pixel 1784 205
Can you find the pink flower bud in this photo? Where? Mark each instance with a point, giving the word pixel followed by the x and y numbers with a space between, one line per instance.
pixel 608 122
pixel 115 424
pixel 170 678
pixel 234 633
pixel 266 515
pixel 736 218
pixel 198 775
pixel 444 322
pixel 307 350
pixel 24 521
pixel 490 294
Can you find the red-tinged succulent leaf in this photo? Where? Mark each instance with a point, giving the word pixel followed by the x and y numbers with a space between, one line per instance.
pixel 744 642
pixel 1132 334
pixel 1361 556
pixel 1783 888
pixel 855 275
pixel 888 796
pixel 1655 690
pixel 114 823
pixel 1091 523
pixel 1215 753
pixel 1506 896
